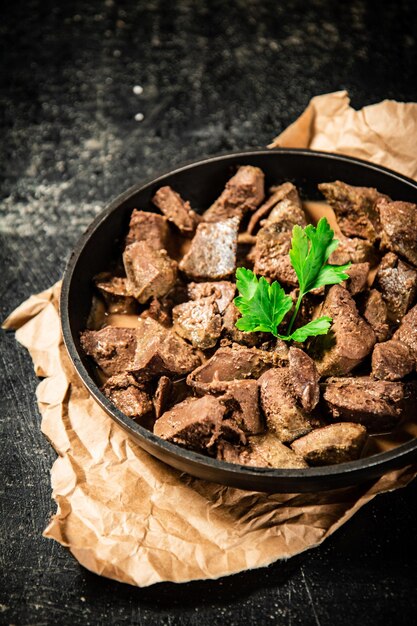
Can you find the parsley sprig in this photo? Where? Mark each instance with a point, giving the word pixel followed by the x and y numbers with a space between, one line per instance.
pixel 263 306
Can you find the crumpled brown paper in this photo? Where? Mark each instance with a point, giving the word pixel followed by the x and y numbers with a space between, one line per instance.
pixel 128 516
pixel 384 133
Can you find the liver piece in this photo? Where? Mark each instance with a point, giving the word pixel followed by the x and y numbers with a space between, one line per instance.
pixel 349 340
pixel 128 395
pixel 212 254
pixel 199 321
pixel 337 443
pixel 268 451
pixel 176 210
pixel 375 312
pixel 376 404
pixel 392 360
pixel 399 228
pixel 150 272
pixel 149 227
pixel 284 418
pixel 355 208
pixel 407 331
pixel 113 349
pixel 243 192
pixel 228 364
pixel 397 282
pixel 304 378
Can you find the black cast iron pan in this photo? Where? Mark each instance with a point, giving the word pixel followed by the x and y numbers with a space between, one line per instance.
pixel 201 182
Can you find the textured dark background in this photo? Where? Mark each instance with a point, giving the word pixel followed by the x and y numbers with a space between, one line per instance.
pixel 216 76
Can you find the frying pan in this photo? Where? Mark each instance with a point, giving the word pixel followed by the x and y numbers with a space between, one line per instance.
pixel 201 183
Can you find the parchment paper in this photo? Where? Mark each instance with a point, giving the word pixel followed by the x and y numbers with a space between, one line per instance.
pixel 125 515
pixel 384 133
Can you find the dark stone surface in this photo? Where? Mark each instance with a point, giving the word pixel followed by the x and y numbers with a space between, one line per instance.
pixel 216 78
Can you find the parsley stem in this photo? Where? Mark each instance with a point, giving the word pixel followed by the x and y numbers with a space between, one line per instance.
pixel 294 315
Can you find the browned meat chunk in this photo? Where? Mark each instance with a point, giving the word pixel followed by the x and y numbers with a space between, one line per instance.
pixel 245 394
pixel 243 192
pixel 273 243
pixel 162 395
pixel 353 250
pixel 199 321
pixel 212 254
pixel 376 314
pixel 358 278
pixel 285 193
pixel 355 208
pixel 128 395
pixel 150 272
pixel 161 351
pixel 197 423
pixel 397 282
pixel 376 404
pixel 284 417
pixel 399 228
pixel 149 227
pixel 407 332
pixel 337 443
pixel 304 378
pixel 159 312
pixel 349 340
pixel 223 290
pixel 112 348
pixel 176 210
pixel 392 360
pixel 115 293
pixel 235 363
pixel 267 451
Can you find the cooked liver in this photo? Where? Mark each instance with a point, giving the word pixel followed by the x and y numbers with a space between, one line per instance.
pixel 354 250
pixel 235 363
pixel 397 282
pixel 267 451
pixel 392 360
pixel 273 243
pixel 243 192
pixel 196 423
pixel 336 443
pixel 245 394
pixel 376 404
pixel 223 290
pixel 407 332
pixel 270 254
pixel 113 349
pixel 149 227
pixel 115 293
pixel 358 278
pixel 304 378
pixel 286 192
pixel 150 272
pixel 212 254
pixel 162 396
pixel 128 395
pixel 355 208
pixel 284 417
pixel 399 228
pixel 199 321
pixel 350 339
pixel 176 210
pixel 161 351
pixel 376 314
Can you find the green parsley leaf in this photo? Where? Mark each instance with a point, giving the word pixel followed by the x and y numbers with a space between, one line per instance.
pixel 319 326
pixel 310 249
pixel 263 306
